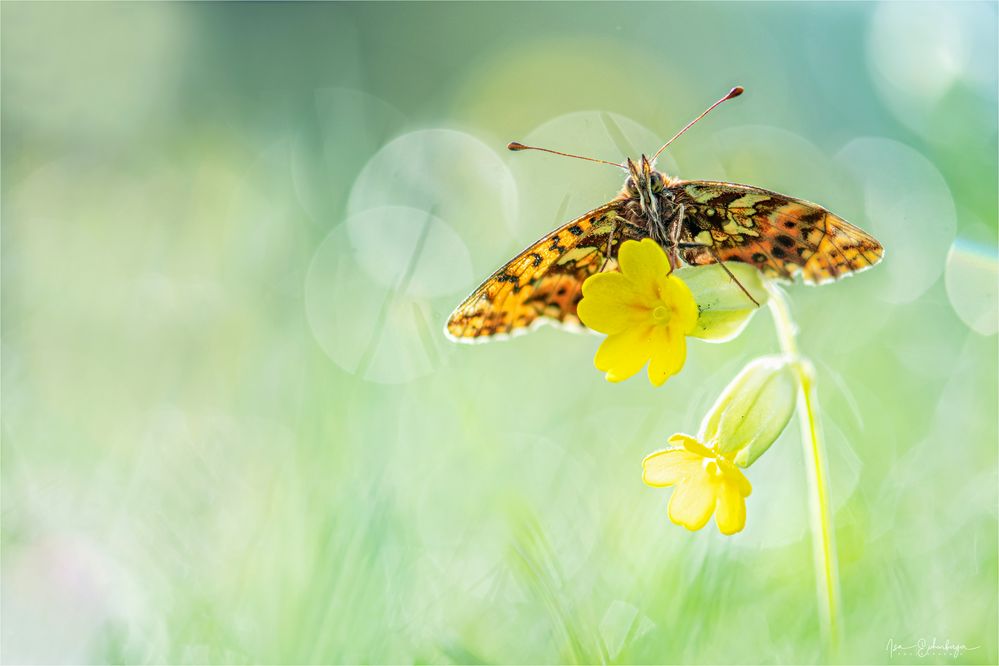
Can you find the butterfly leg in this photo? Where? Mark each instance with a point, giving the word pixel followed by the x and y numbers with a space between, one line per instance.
pixel 711 250
pixel 610 246
pixel 675 227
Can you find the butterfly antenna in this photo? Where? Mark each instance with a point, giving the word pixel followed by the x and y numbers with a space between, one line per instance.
pixel 517 147
pixel 734 92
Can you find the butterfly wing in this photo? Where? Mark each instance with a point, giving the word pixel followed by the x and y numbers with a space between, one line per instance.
pixel 544 282
pixel 780 235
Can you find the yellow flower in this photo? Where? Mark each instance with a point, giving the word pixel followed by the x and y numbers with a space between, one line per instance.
pixel 706 482
pixel 645 312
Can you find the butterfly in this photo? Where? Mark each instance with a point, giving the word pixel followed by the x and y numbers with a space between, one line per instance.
pixel 696 221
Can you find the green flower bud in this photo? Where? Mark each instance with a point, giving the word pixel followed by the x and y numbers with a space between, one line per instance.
pixel 753 410
pixel 724 307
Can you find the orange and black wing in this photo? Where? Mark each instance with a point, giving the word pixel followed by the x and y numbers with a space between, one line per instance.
pixel 780 235
pixel 544 282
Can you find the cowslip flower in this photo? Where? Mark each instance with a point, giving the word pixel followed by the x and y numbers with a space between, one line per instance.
pixel 706 482
pixel 645 311
pixel 745 420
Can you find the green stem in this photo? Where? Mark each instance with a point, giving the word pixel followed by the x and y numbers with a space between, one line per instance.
pixel 824 549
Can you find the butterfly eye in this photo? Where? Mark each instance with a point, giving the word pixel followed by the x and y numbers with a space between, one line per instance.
pixel 657 182
pixel 630 185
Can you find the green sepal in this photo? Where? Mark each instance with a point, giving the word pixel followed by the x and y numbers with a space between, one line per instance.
pixel 724 308
pixel 753 410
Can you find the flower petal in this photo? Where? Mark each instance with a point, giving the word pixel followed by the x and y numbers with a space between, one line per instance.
pixel 623 354
pixel 678 297
pixel 693 501
pixel 730 509
pixel 643 263
pixel 610 303
pixel 669 466
pixel 691 444
pixel 668 352
pixel 734 476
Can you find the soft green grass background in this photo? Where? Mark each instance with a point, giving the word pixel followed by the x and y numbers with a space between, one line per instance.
pixel 232 429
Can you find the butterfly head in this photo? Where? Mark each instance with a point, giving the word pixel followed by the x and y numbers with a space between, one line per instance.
pixel 643 179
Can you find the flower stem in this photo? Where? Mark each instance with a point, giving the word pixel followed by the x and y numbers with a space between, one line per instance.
pixel 824 549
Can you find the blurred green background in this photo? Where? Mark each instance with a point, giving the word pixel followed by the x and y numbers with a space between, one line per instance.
pixel 233 431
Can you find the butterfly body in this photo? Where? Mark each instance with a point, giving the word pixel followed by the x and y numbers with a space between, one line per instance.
pixel 649 203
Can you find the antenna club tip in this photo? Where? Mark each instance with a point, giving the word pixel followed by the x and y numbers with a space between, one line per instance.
pixel 735 92
pixel 514 146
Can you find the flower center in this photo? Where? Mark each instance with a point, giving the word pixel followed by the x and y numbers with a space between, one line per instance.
pixel 660 315
pixel 712 468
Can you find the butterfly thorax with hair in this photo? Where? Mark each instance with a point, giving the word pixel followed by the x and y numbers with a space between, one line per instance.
pixel 648 202
pixel 696 221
